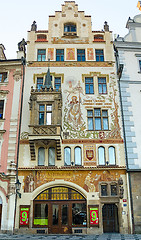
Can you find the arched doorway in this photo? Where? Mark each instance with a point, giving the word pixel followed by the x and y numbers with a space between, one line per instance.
pixel 110 218
pixel 59 209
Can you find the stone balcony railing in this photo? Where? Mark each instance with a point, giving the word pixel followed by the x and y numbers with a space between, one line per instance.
pixel 48 130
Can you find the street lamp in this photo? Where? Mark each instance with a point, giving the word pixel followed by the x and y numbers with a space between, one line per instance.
pixel 18 186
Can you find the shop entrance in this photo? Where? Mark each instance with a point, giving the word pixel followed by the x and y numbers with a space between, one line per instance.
pixel 110 218
pixel 59 209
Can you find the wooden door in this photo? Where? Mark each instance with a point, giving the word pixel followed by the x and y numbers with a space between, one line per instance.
pixel 110 218
pixel 59 219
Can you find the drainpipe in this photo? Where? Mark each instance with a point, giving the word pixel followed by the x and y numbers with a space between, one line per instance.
pixel 18 144
pixel 119 73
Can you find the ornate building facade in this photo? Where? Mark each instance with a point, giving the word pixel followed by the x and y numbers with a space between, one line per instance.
pixel 128 54
pixel 11 80
pixel 71 163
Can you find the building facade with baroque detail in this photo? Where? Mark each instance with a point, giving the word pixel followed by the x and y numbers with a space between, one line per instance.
pixel 71 163
pixel 11 80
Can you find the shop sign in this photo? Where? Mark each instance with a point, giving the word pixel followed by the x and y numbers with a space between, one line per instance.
pixel 94 216
pixel 24 216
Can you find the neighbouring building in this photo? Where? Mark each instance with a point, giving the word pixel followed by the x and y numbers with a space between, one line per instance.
pixel 71 163
pixel 128 55
pixel 11 78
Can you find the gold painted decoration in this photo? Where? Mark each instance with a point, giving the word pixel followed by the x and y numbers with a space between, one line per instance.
pixel 89 155
pixel 90 54
pixel 70 54
pixel 51 53
pixel 89 180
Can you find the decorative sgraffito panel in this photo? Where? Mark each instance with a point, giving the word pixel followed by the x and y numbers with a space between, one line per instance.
pixel 90 155
pixel 70 54
pixel 90 54
pixel 75 112
pixel 89 180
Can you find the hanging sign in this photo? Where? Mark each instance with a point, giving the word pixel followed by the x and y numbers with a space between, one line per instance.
pixel 24 216
pixel 94 216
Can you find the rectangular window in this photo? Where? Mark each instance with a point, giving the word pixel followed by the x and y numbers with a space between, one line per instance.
pixel 99 55
pixel 103 190
pixel 40 214
pixel 41 55
pixel 140 65
pixel 113 190
pixel 89 85
pixel 102 86
pixel 59 55
pixel 105 119
pixel 90 119
pixel 45 114
pixel 57 83
pixel 97 119
pixel 1 108
pixel 80 55
pixel 3 77
pixel 39 83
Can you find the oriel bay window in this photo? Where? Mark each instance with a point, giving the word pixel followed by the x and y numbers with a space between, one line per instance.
pixel 45 114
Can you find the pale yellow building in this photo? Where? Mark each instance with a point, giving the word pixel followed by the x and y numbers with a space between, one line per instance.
pixel 71 163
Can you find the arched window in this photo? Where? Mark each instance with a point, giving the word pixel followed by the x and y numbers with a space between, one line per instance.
pixel 69 27
pixel 77 156
pixel 41 156
pixel 67 156
pixel 112 157
pixel 101 155
pixel 51 156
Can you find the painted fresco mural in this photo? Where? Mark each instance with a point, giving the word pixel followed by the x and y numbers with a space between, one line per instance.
pixel 70 54
pixel 75 119
pixel 89 180
pixel 90 54
pixel 51 53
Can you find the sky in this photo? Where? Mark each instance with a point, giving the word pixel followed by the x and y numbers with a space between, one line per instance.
pixel 17 16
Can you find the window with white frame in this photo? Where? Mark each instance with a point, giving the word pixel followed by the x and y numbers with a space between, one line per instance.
pixel 77 156
pixel 41 156
pixel 51 156
pixel 112 157
pixel 101 155
pixel 67 156
pixel 45 114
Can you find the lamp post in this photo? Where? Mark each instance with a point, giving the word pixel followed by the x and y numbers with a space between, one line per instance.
pixel 18 186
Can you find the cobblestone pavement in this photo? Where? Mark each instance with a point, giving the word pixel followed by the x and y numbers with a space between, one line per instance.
pixel 72 237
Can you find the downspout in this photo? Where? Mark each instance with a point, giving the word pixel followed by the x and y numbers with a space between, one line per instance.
pixel 18 144
pixel 119 73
